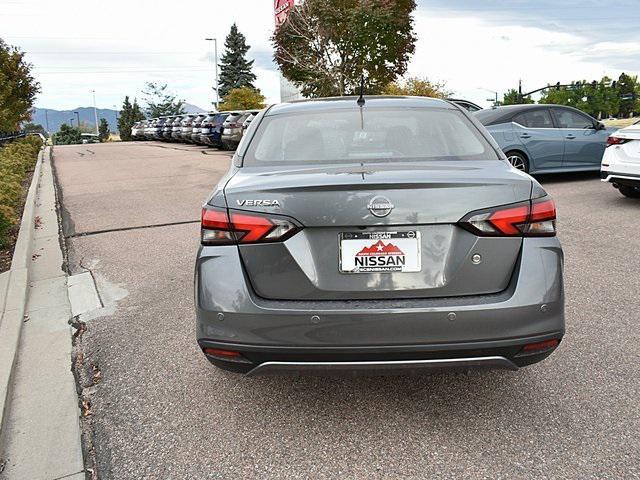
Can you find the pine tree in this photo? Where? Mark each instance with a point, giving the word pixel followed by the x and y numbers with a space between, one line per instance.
pixel 103 130
pixel 235 69
pixel 130 114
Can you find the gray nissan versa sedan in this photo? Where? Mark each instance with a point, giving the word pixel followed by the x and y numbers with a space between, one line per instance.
pixel 379 234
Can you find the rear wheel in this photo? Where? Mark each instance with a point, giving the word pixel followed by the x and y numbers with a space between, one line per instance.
pixel 519 161
pixel 631 192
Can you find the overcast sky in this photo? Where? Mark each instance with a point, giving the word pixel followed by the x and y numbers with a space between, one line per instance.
pixel 474 46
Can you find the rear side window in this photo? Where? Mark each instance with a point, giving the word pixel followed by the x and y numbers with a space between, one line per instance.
pixel 535 119
pixel 571 119
pixel 375 134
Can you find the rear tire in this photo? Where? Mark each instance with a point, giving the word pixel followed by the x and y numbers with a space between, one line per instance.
pixel 519 161
pixel 631 192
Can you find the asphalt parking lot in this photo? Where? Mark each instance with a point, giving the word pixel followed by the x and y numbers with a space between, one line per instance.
pixel 161 411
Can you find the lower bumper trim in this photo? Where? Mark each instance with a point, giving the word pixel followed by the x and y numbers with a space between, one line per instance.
pixel 278 368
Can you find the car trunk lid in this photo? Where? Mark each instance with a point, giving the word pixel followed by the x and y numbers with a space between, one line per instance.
pixel 338 203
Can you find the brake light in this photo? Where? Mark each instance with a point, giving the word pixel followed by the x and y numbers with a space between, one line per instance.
pixel 221 228
pixel 617 140
pixel 528 219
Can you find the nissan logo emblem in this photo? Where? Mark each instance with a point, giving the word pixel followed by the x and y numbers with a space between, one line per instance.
pixel 380 206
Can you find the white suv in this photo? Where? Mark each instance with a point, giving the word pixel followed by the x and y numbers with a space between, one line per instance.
pixel 621 161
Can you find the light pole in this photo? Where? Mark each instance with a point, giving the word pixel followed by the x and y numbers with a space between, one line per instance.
pixel 71 121
pixel 215 59
pixel 95 111
pixel 78 115
pixel 115 107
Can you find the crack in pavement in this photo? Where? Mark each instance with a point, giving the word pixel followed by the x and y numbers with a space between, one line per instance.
pixel 125 229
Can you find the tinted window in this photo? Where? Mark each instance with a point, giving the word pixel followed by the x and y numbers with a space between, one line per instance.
pixel 379 134
pixel 490 116
pixel 221 117
pixel 233 117
pixel 468 106
pixel 535 119
pixel 571 119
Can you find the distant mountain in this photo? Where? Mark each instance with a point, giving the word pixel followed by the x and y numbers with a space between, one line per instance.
pixel 52 119
pixel 189 108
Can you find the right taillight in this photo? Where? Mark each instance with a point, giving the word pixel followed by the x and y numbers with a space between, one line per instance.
pixel 536 218
pixel 219 227
pixel 617 140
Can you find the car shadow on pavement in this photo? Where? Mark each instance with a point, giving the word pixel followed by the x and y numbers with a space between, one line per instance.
pixel 411 395
pixel 552 178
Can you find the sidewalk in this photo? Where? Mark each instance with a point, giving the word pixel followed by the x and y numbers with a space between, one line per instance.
pixel 41 430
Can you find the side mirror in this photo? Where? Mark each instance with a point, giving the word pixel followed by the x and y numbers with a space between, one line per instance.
pixel 600 126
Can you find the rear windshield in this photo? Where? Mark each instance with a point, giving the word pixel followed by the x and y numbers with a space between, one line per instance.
pixel 375 134
pixel 233 117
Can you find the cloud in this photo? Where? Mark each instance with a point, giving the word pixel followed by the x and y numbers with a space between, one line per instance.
pixel 471 45
pixel 476 56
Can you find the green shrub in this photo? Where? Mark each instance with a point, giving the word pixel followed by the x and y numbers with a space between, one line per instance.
pixel 16 160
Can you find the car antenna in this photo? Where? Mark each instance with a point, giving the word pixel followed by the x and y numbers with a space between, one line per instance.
pixel 361 97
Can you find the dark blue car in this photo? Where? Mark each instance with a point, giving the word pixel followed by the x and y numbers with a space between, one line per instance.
pixel 547 138
pixel 211 129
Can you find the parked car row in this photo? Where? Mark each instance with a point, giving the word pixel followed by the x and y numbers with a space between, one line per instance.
pixel 222 130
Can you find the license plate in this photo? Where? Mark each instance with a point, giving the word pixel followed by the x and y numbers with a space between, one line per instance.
pixel 367 252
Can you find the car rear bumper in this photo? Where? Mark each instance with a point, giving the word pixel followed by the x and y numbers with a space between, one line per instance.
pixel 231 141
pixel 266 360
pixel 211 139
pixel 621 178
pixel 230 316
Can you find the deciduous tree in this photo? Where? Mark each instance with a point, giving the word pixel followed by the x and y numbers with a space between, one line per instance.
pixel 160 102
pixel 513 98
pixel 627 86
pixel 245 98
pixel 18 88
pixel 325 46
pixel 417 87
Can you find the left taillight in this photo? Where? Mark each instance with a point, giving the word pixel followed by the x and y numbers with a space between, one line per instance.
pixel 535 218
pixel 617 140
pixel 222 227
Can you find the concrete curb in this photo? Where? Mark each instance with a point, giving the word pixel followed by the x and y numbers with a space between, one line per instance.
pixel 14 296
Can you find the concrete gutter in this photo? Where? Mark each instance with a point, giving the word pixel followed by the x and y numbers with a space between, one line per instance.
pixel 40 437
pixel 13 292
